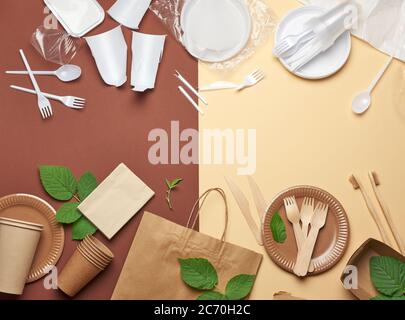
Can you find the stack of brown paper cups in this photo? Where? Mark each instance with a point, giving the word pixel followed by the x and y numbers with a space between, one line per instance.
pixel 90 258
pixel 18 244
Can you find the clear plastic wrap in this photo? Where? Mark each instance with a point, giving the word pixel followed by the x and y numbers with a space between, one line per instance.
pixel 263 22
pixel 55 45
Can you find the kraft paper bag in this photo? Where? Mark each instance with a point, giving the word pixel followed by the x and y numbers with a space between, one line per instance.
pixel 152 270
pixel 116 200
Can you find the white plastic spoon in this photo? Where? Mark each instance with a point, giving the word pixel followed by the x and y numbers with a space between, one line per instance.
pixel 66 73
pixel 362 101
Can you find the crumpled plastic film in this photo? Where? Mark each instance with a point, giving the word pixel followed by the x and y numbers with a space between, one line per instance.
pixel 263 23
pixel 55 45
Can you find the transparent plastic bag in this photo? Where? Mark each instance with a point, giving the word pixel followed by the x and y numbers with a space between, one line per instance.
pixel 263 22
pixel 55 45
pixel 380 23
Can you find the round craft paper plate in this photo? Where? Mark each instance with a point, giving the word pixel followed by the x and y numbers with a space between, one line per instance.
pixel 332 240
pixel 33 209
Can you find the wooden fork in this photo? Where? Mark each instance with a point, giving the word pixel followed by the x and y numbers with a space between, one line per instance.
pixel 305 254
pixel 293 215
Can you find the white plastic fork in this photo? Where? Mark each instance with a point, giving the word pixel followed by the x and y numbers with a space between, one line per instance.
pixel 251 79
pixel 68 101
pixel 302 52
pixel 290 44
pixel 43 103
pixel 311 54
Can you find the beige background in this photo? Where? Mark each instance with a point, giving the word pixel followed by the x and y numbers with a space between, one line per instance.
pixel 307 134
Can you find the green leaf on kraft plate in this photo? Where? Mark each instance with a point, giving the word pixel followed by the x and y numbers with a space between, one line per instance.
pixel 198 273
pixel 82 228
pixel 68 213
pixel 277 228
pixel 58 182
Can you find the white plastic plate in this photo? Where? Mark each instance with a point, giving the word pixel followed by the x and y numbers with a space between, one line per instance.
pixel 215 31
pixel 78 17
pixel 328 62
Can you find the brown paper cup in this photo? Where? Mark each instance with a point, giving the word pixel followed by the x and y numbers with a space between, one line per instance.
pixel 98 248
pixel 90 258
pixel 18 244
pixel 83 266
pixel 94 253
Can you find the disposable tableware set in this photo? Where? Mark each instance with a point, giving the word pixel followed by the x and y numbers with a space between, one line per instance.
pixel 317 232
pixel 313 43
pixel 309 216
pixel 29 251
pixel 65 73
pixel 304 229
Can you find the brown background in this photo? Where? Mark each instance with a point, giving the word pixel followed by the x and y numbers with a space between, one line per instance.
pixel 113 128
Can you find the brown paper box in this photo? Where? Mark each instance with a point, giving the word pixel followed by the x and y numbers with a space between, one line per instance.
pixel 152 270
pixel 18 244
pixel 361 260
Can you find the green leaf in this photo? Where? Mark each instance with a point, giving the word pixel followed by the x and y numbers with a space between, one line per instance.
pixel 87 184
pixel 383 297
pixel 198 273
pixel 175 183
pixel 239 286
pixel 59 182
pixel 212 295
pixel 277 227
pixel 388 275
pixel 68 213
pixel 82 228
pixel 168 183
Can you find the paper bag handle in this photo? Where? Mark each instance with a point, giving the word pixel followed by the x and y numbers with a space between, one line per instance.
pixel 198 206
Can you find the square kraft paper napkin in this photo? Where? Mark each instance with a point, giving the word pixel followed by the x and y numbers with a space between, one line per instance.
pixel 116 200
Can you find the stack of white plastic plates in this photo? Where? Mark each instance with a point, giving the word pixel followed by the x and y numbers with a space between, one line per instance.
pixel 215 30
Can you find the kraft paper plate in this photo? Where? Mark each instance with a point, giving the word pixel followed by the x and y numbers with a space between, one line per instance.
pixel 332 240
pixel 33 209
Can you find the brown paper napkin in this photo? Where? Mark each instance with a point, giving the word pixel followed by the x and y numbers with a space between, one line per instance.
pixel 116 200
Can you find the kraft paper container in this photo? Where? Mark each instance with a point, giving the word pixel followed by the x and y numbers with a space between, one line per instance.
pixel 361 260
pixel 83 266
pixel 18 244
